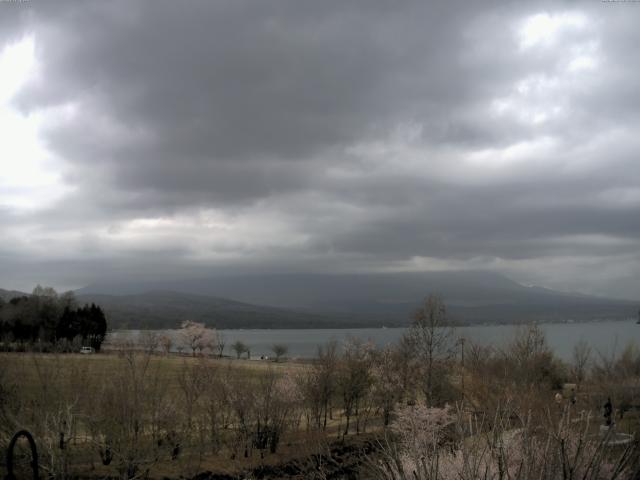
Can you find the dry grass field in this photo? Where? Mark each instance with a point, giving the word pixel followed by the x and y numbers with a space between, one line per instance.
pixel 44 386
pixel 29 367
pixel 130 414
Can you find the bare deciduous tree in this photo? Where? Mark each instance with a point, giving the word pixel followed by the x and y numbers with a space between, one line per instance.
pixel 354 379
pixel 279 350
pixel 166 343
pixel 220 343
pixel 431 337
pixel 581 359
pixel 387 381
pixel 149 341
pixel 128 429
pixel 192 378
pixel 326 370
pixel 239 347
pixel 276 397
pixel 318 385
pixel 217 411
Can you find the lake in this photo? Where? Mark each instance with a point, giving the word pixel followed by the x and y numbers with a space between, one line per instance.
pixel 605 337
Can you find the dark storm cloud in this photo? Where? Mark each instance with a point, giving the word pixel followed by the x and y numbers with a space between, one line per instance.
pixel 336 133
pixel 218 84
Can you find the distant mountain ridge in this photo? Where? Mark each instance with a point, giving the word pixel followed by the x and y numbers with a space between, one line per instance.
pixel 7 295
pixel 167 309
pixel 303 300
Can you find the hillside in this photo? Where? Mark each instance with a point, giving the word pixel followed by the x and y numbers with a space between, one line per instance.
pixel 7 295
pixel 346 300
pixel 166 309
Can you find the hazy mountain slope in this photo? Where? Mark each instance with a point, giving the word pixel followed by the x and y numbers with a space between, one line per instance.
pixel 332 291
pixel 165 309
pixel 7 295
pixel 390 298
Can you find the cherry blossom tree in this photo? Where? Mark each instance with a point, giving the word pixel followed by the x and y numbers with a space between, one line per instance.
pixel 197 337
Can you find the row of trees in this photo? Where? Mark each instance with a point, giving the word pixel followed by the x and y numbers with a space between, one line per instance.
pixel 198 339
pixel 44 317
pixel 279 350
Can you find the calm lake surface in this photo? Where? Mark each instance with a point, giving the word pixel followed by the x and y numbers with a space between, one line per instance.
pixel 605 337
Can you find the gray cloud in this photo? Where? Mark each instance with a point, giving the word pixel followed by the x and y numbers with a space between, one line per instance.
pixel 334 135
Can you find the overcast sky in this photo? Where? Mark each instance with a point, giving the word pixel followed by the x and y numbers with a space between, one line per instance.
pixel 191 138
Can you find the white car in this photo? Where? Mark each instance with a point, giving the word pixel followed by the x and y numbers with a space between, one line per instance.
pixel 87 350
